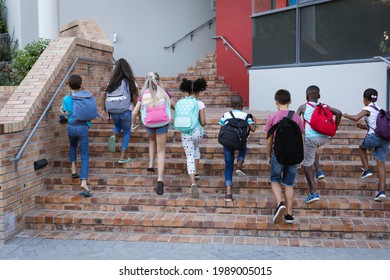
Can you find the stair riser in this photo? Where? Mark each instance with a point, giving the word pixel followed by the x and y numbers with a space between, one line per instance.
pixel 322 232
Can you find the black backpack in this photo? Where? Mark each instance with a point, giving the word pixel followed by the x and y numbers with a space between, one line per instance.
pixel 288 144
pixel 234 133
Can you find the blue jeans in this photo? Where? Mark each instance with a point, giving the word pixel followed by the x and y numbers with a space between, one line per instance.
pixel 78 134
pixel 122 122
pixel 229 163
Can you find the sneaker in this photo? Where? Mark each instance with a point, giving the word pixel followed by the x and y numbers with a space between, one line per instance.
pixel 279 213
pixel 240 173
pixel 289 219
pixel 228 197
pixel 194 191
pixel 380 196
pixel 197 177
pixel 320 175
pixel 160 188
pixel 312 197
pixel 366 173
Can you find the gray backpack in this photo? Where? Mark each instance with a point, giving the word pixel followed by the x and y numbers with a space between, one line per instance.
pixel 119 100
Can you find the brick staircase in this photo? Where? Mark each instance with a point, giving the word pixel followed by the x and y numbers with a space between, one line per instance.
pixel 125 205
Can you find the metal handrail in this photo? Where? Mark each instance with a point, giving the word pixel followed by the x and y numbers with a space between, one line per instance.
pixel 382 58
pixel 227 44
pixel 49 105
pixel 191 33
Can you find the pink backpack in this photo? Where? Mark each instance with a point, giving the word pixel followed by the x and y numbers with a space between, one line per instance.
pixel 155 112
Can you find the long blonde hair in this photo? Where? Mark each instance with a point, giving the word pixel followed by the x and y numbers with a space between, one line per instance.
pixel 156 90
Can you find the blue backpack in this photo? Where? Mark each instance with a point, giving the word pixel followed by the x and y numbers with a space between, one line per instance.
pixel 186 116
pixel 84 106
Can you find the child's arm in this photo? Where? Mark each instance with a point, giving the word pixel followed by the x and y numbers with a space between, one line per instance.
pixel 357 117
pixel 301 109
pixel 270 141
pixel 338 115
pixel 135 113
pixel 202 117
pixel 252 125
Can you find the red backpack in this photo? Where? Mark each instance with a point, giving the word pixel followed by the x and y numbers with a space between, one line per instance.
pixel 322 120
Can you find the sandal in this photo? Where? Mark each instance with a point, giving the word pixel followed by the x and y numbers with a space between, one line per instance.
pixel 126 160
pixel 75 175
pixel 111 143
pixel 150 169
pixel 86 193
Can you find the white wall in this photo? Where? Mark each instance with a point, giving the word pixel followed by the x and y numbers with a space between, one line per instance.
pixel 22 20
pixel 341 86
pixel 144 27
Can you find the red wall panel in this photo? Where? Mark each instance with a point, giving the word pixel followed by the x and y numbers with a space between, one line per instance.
pixel 233 22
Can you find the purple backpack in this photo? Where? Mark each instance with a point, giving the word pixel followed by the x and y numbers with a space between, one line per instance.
pixel 382 123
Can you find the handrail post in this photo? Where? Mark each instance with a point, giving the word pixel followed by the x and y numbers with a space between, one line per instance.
pixel 227 44
pixel 383 59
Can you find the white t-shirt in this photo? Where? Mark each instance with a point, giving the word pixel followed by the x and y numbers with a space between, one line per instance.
pixel 371 119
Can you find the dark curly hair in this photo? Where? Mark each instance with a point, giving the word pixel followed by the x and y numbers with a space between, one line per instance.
pixel 189 86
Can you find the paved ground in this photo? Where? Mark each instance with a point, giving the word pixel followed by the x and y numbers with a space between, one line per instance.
pixel 28 248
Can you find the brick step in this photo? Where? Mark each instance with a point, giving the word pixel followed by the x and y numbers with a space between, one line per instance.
pixel 210 224
pixel 251 185
pixel 212 151
pixel 100 132
pixel 207 239
pixel 211 203
pixel 209 167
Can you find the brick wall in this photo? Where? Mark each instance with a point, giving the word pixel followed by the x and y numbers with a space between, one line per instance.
pixel 5 94
pixel 24 107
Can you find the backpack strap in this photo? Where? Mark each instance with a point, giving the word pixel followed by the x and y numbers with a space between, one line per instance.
pixel 272 129
pixel 290 114
pixel 231 113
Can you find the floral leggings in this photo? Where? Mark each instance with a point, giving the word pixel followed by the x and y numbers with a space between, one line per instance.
pixel 191 147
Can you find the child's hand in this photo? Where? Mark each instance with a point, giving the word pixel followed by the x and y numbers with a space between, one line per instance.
pixel 104 115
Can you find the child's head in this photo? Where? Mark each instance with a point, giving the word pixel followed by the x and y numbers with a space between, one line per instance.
pixel 196 86
pixel 152 81
pixel 237 102
pixel 282 97
pixel 122 69
pixel 74 82
pixel 370 95
pixel 313 93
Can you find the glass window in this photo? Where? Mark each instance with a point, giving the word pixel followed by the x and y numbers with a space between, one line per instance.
pixel 259 6
pixel 274 39
pixel 344 30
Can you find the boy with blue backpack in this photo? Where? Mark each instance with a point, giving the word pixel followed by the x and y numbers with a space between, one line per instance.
pixel 80 108
pixel 235 128
pixel 189 119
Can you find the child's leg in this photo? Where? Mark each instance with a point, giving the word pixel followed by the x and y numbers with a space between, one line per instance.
pixel 229 162
pixel 189 149
pixel 382 175
pixel 289 195
pixel 277 191
pixel 316 163
pixel 241 158
pixel 363 157
pixel 152 149
pixel 161 145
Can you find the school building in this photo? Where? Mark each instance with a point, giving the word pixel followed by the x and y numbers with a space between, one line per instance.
pixel 261 45
pixel 249 47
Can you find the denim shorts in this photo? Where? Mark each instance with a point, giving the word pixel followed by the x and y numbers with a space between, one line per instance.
pixel 379 146
pixel 281 173
pixel 157 130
